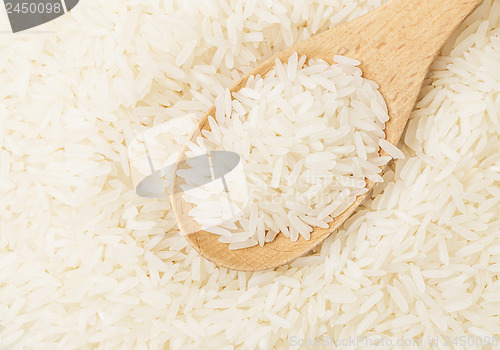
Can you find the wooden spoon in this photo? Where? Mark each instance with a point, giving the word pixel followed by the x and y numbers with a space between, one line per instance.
pixel 396 44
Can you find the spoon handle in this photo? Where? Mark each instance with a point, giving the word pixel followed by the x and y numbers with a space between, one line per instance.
pixel 421 27
pixel 403 38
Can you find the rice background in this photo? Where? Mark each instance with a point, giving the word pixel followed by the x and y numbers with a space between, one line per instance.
pixel 85 263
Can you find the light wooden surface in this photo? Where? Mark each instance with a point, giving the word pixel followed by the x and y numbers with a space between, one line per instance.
pixel 396 44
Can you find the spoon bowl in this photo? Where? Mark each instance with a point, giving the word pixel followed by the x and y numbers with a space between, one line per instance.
pixel 396 45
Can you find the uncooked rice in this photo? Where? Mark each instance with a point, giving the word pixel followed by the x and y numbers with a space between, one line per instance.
pixel 85 263
pixel 308 136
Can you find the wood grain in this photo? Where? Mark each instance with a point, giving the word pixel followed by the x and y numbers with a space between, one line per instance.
pixel 396 44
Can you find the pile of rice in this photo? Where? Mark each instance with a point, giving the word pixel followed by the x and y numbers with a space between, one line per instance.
pixel 308 136
pixel 87 263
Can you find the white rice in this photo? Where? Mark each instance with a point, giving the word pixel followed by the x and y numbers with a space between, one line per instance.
pixel 77 269
pixel 292 121
pixel 392 150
